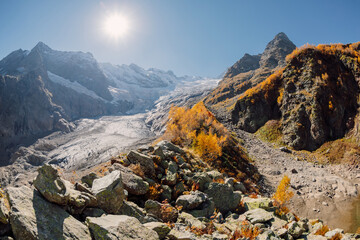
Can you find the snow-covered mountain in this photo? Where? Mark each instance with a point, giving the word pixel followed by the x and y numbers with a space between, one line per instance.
pixel 43 90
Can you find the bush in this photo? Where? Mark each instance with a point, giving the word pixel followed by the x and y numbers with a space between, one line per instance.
pixel 282 196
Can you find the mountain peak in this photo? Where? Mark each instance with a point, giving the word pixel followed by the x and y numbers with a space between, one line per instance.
pixel 42 47
pixel 276 51
pixel 281 35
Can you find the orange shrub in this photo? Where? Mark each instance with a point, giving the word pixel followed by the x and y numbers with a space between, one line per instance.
pixel 246 231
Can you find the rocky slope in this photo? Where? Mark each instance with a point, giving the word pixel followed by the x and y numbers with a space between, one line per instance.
pixel 44 90
pixel 314 97
pixel 249 71
pixel 161 192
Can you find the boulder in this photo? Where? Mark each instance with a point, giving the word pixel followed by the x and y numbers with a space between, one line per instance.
pixel 119 227
pixel 202 179
pixel 191 201
pixel 190 221
pixel 162 229
pixel 146 162
pixel 224 197
pixel 134 184
pixel 171 173
pixel 32 217
pixel 131 209
pixel 258 215
pixel 239 186
pixel 109 192
pixel 252 203
pixel 332 233
pixel 62 192
pixel 165 145
pixel 4 210
pixel 295 230
pixel 204 210
pixel 175 234
pixel 89 179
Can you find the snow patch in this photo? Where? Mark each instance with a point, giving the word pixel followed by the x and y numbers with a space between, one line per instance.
pixel 72 85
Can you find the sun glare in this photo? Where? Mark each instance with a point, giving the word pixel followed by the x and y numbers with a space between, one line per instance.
pixel 116 26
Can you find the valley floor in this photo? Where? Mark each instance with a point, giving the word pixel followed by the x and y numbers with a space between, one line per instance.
pixel 327 192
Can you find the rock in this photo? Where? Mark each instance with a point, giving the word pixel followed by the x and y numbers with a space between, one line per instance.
pixel 82 188
pixel 134 184
pixel 332 233
pixel 89 179
pixel 239 186
pixel 285 149
pixel 282 232
pixel 204 210
pixel 161 228
pixel 191 201
pixel 252 203
pixel 146 162
pixel 165 145
pixel 315 237
pixel 294 171
pixel 159 152
pixel 59 191
pixel 295 230
pixel 4 210
pixel 166 193
pixel 165 211
pixel 131 209
pixel 267 235
pixel 201 179
pixel 219 236
pixel 230 181
pixel 215 174
pixel 277 223
pixel 259 215
pixel 32 217
pixel 109 192
pixel 92 212
pixel 224 197
pixel 119 227
pixel 191 221
pixel 175 234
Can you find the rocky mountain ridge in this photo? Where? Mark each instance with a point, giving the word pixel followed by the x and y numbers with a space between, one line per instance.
pixel 249 71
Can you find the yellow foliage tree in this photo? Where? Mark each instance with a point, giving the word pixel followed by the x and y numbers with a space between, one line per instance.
pixel 282 195
pixel 198 129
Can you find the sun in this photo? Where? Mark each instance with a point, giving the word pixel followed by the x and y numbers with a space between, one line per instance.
pixel 116 26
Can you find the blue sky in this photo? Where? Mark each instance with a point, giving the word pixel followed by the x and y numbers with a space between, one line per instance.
pixel 195 37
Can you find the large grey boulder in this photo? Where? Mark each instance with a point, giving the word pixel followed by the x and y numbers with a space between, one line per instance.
pixel 111 227
pixel 60 191
pixel 191 201
pixel 109 192
pixel 131 209
pixel 201 179
pixel 252 203
pixel 32 217
pixel 224 197
pixel 4 210
pixel 132 183
pixel 146 162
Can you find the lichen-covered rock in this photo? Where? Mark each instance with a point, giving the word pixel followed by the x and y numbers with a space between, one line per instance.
pixel 32 217
pixel 295 230
pixel 162 229
pixel 60 191
pixel 146 162
pixel 252 203
pixel 119 227
pixel 224 197
pixel 201 179
pixel 109 192
pixel 4 210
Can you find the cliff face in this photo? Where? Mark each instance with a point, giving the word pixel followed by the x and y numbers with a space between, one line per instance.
pixel 251 70
pixel 314 97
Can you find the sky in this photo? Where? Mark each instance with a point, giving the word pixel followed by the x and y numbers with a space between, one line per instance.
pixel 189 37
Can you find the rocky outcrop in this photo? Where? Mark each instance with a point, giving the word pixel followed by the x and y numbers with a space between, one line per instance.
pixel 62 192
pixel 314 97
pixel 248 72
